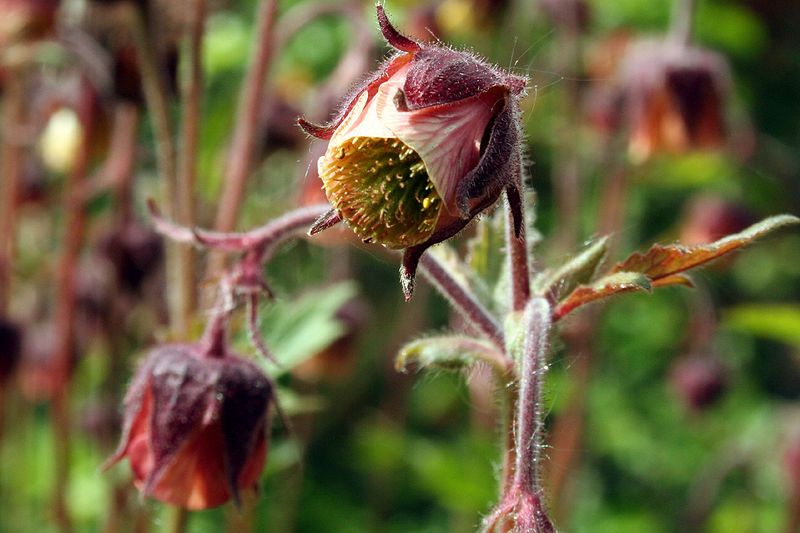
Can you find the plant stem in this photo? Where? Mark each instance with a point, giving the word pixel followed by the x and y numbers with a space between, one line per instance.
pixel 241 150
pixel 191 98
pixel 179 297
pixel 529 412
pixel 462 300
pixel 680 30
pixel 12 153
pixel 177 520
pixel 518 253
pixel 65 299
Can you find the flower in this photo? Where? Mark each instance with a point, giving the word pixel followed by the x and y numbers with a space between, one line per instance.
pixel 196 425
pixel 673 96
pixel 426 143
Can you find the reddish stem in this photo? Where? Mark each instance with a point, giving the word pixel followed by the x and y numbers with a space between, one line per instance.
pixel 518 252
pixel 65 301
pixel 12 169
pixel 463 301
pixel 241 151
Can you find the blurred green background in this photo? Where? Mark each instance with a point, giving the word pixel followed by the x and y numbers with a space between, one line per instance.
pixel 373 450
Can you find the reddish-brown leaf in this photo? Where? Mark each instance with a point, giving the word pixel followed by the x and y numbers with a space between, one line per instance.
pixel 615 283
pixel 662 263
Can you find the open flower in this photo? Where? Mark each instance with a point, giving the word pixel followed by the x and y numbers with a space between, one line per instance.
pixel 196 425
pixel 425 144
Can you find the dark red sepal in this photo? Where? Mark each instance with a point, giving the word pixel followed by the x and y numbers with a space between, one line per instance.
pixel 329 219
pixel 315 130
pixel 392 36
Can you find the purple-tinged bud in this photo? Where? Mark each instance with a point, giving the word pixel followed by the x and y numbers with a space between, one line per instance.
pixel 196 425
pixel 425 144
pixel 699 381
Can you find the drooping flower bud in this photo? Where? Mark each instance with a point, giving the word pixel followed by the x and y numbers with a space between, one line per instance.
pixel 673 97
pixel 196 425
pixel 425 144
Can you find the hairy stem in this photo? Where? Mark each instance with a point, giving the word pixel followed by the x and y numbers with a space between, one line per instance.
pixel 462 300
pixel 518 252
pixel 529 411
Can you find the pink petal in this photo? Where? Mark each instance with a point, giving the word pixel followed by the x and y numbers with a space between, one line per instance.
pixel 362 120
pixel 447 137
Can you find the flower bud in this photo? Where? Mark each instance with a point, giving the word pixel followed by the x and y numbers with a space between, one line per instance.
pixel 425 144
pixel 674 97
pixel 699 381
pixel 196 425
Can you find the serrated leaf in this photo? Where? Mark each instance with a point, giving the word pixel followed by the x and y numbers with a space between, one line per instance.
pixel 447 352
pixel 574 272
pixel 615 283
pixel 662 263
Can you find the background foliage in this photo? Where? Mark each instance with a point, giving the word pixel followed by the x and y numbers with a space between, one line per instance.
pixel 375 450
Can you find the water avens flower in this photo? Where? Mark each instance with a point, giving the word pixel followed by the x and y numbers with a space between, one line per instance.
pixel 196 425
pixel 426 143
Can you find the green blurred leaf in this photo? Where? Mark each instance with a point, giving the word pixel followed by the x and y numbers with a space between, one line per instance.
pixel 298 329
pixel 780 322
pixel 732 27
pixel 226 44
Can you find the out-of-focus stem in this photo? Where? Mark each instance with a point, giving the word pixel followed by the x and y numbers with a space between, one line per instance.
pixel 462 300
pixel 241 150
pixel 179 297
pixel 11 153
pixel 682 21
pixel 65 300
pixel 566 176
pixel 177 520
pixel 191 98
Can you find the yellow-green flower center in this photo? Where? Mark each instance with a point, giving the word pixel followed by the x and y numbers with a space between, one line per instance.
pixel 381 188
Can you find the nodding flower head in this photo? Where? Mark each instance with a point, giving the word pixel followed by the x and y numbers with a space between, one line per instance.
pixel 196 425
pixel 426 143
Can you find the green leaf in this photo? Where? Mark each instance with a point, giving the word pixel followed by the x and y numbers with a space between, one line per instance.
pixel 780 322
pixel 578 270
pixel 662 263
pixel 295 330
pixel 615 283
pixel 447 352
